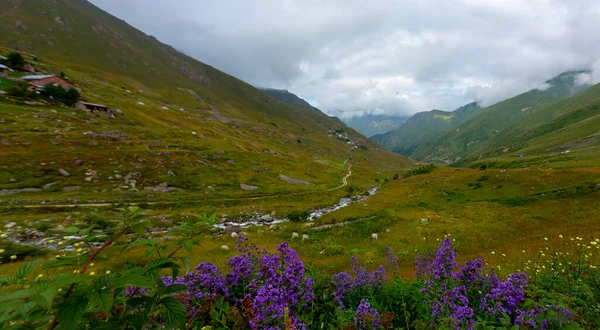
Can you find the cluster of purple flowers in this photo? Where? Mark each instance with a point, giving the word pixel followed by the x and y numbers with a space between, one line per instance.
pixel 271 282
pixel 363 281
pixel 456 297
pixel 366 318
pixel 445 299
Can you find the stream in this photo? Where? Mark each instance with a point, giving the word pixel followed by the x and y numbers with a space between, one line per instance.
pixel 234 225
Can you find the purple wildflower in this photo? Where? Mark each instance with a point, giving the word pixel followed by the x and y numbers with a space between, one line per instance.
pixel 366 317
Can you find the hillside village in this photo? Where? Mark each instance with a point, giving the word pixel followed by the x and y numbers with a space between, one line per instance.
pixel 343 136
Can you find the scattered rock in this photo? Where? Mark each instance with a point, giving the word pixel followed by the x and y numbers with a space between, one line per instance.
pixel 12 180
pixel 106 136
pixel 18 191
pixel 224 247
pixel 10 225
pixel 163 187
pixel 72 188
pixel 63 172
pixel 304 237
pixel 48 185
pixel 375 236
pixel 293 180
pixel 248 187
pixel 77 161
pixel 295 235
pixel 171 173
pixel 59 20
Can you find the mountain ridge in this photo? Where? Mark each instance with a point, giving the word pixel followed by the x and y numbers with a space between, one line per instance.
pixel 423 126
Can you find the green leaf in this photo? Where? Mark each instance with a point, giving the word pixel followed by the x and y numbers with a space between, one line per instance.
pixel 188 245
pixel 16 295
pixel 64 280
pixel 175 312
pixel 71 311
pixel 176 288
pixel 43 293
pixel 70 230
pixel 133 280
pixel 9 280
pixel 26 269
pixel 25 309
pixel 140 242
pixel 160 263
pixel 187 264
pixel 102 298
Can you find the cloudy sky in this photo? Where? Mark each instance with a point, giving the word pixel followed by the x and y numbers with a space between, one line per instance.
pixel 384 56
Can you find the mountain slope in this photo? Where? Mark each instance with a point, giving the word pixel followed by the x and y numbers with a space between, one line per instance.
pixel 422 127
pixel 184 123
pixel 564 132
pixel 370 124
pixel 490 128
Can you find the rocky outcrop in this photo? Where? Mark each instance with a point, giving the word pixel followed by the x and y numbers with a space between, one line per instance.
pixel 293 180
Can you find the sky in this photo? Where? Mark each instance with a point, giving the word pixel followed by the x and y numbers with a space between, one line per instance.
pixel 351 57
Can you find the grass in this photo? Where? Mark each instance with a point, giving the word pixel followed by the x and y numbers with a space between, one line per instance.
pixel 514 210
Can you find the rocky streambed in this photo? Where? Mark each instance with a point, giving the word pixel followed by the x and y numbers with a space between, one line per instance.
pixel 237 224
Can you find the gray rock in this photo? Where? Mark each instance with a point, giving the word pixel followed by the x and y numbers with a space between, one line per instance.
pixel 293 180
pixel 63 172
pixel 48 185
pixel 13 180
pixel 248 187
pixel 18 191
pixel 10 225
pixel 72 188
pixel 163 187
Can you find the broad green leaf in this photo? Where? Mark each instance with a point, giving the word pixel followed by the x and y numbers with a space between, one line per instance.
pixel 71 311
pixel 133 280
pixel 175 312
pixel 64 280
pixel 26 269
pixel 176 288
pixel 102 298
pixel 16 295
pixel 160 263
pixel 25 309
pixel 43 293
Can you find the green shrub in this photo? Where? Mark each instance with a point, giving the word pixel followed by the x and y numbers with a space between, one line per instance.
pixel 298 216
pixel 15 61
pixel 421 170
pixel 60 94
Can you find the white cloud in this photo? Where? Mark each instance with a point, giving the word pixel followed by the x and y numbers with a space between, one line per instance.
pixel 381 55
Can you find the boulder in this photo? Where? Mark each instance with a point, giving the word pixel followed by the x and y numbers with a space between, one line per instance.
pixel 248 187
pixel 293 180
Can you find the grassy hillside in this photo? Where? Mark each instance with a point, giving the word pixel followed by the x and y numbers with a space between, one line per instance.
pixel 504 126
pixel 184 123
pixel 422 127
